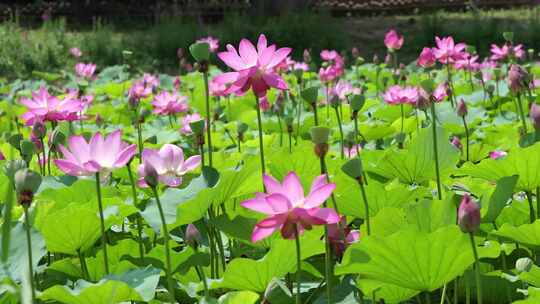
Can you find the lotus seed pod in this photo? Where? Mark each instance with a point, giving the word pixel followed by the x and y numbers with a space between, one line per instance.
pixel 320 135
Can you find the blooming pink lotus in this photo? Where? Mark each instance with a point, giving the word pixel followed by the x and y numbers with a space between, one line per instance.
pixel 330 55
pixel 151 81
pixel 253 67
pixel 427 58
pixel 45 107
pixel 344 88
pixel 75 52
pixel 342 236
pixel 302 66
pixel 139 90
pixel 85 70
pixel 186 120
pixel 213 43
pixel 217 89
pixel 440 92
pixel 398 95
pixel 169 164
pixel 506 51
pixel 102 155
pixel 468 63
pixel 393 41
pixel 447 51
pixel 166 103
pixel 289 209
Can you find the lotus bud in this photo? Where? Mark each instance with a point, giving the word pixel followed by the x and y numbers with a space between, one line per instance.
pixel 151 176
pixel 192 236
pixel 535 116
pixel 516 78
pixel 468 215
pixel 355 52
pixel 461 108
pixel 375 59
pixel 456 143
pixel 319 136
pixel 39 129
pixel 27 182
pixel 307 56
pixel 357 102
pixel 524 265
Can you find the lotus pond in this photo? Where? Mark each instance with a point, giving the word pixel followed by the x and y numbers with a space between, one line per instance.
pixel 255 178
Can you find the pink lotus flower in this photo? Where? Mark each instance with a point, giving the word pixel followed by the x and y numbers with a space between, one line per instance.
pixel 330 55
pixel 506 51
pixel 534 114
pixel 253 68
pixel 166 103
pixel 447 51
pixel 330 73
pixel 344 88
pixel 75 52
pixel 264 104
pixel 440 92
pixel 456 143
pixel 45 107
pixel 393 41
pixel 102 155
pixel 341 236
pixel 151 81
pixel 427 58
pixel 217 89
pixel 85 70
pixel 186 120
pixel 177 83
pixel 289 209
pixel 213 43
pixel 139 90
pixel 398 95
pixel 497 154
pixel 352 151
pixel 301 66
pixel 467 63
pixel 169 164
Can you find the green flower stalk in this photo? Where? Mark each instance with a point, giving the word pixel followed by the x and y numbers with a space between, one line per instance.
pixel 261 141
pixel 102 223
pixel 462 112
pixel 138 220
pixel 27 182
pixel 469 221
pixel 354 169
pixel 298 266
pixel 435 149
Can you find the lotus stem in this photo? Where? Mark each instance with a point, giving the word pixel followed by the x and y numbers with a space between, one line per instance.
pixel 435 149
pixel 298 265
pixel 84 269
pixel 467 137
pixel 170 282
pixel 102 223
pixel 29 248
pixel 261 142
pixel 340 133
pixel 135 203
pixel 139 140
pixel 477 270
pixel 366 206
pixel 208 121
pixel 522 113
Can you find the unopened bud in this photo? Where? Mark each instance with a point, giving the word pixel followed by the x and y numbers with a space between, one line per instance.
pixel 193 236
pixel 468 214
pixel 461 108
pixel 307 56
pixel 524 265
pixel 39 129
pixel 27 182
pixel 534 113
